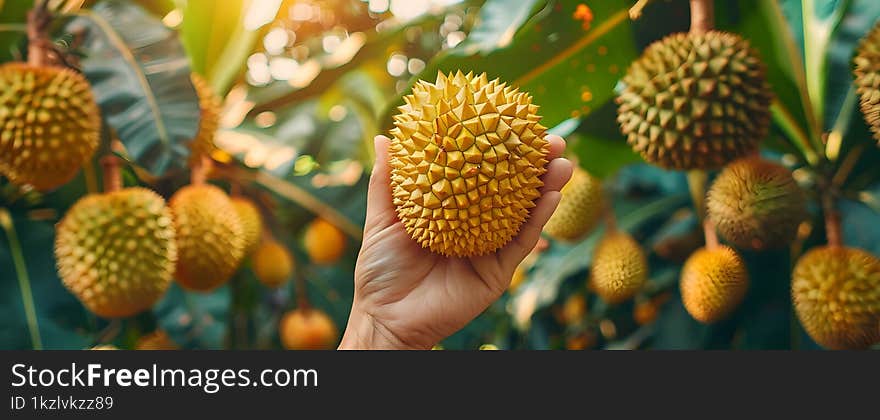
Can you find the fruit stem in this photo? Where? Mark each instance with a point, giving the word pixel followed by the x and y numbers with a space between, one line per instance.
pixel 302 299
pixel 112 178
pixel 702 16
pixel 199 173
pixel 697 179
pixel 24 281
pixel 832 221
pixel 39 45
pixel 610 217
pixel 710 234
pixel 635 12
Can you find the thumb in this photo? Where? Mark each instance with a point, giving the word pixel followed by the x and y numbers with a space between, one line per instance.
pixel 379 202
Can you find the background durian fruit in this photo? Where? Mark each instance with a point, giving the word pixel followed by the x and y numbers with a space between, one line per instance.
pixel 466 157
pixel 209 117
pixel 695 101
pixel 49 124
pixel 580 207
pixel 836 294
pixel 209 237
pixel 714 281
pixel 251 223
pixel 307 329
pixel 116 251
pixel 272 263
pixel 323 242
pixel 104 347
pixel 867 78
pixel 619 268
pixel 156 340
pixel 756 204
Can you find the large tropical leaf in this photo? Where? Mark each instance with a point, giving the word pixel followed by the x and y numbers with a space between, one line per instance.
pixel 570 68
pixel 140 76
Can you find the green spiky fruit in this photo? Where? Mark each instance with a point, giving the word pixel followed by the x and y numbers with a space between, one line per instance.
pixel 579 209
pixel 867 78
pixel 756 204
pixel 619 268
pixel 713 283
pixel 466 156
pixel 116 251
pixel 209 117
pixel 209 237
pixel 49 124
pixel 695 101
pixel 836 294
pixel 272 263
pixel 251 223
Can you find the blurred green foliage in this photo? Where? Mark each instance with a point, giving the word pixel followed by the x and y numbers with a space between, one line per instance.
pixel 307 85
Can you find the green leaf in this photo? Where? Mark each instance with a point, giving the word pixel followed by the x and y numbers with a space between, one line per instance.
pixel 195 320
pixel 598 144
pixel 13 15
pixel 569 70
pixel 140 76
pixel 63 321
pixel 499 21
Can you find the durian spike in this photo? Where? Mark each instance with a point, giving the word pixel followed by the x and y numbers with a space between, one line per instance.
pixel 702 16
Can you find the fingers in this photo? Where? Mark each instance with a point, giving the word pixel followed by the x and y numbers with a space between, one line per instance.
pixel 379 195
pixel 556 146
pixel 558 172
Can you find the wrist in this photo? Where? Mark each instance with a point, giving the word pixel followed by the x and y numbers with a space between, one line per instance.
pixel 363 332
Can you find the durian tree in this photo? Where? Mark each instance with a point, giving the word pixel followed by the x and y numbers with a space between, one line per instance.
pixel 172 178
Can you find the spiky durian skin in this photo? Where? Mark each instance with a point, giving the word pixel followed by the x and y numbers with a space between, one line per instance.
pixel 836 294
pixel 307 329
pixel 116 251
pixel 209 237
pixel 867 78
pixel 619 268
pixel 713 283
pixel 251 223
pixel 466 157
pixel 49 124
pixel 579 209
pixel 272 263
pixel 695 101
pixel 323 242
pixel 156 340
pixel 756 204
pixel 209 117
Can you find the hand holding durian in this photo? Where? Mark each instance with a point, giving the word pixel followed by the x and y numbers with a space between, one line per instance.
pixel 457 199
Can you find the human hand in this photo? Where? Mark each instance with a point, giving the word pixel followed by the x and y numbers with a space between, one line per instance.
pixel 407 297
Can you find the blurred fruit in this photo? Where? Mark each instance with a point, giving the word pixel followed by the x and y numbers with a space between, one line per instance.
pixel 466 156
pixel 307 329
pixel 209 117
pixel 713 283
pixel 756 204
pixel 116 251
pixel 156 340
pixel 582 341
pixel 645 312
pixel 573 310
pixel 488 347
pixel 519 276
pixel 272 263
pixel 104 347
pixel 209 237
pixel 49 124
pixel 695 101
pixel 323 242
pixel 580 207
pixel 619 268
pixel 867 78
pixel 251 223
pixel 836 293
